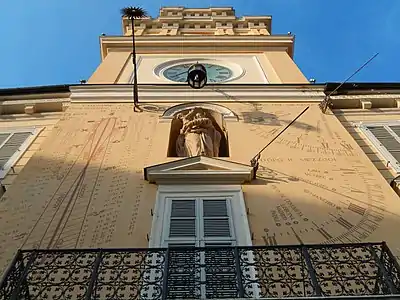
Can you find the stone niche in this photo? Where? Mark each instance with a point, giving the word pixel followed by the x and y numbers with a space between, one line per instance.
pixel 198 131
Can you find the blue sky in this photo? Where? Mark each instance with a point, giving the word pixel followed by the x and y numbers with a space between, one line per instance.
pixel 46 42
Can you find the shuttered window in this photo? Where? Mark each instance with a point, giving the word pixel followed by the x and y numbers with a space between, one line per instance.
pixel 199 221
pixel 12 145
pixel 386 140
pixel 188 217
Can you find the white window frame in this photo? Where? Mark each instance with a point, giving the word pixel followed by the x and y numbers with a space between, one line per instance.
pixel 166 240
pixel 25 145
pixel 384 153
pixel 238 209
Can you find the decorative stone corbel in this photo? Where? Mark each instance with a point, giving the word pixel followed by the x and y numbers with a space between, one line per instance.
pixel 254 31
pixel 173 31
pixel 366 104
pixel 30 109
pixel 139 31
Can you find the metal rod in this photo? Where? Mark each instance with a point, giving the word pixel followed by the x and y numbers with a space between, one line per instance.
pixel 135 89
pixel 287 126
pixel 10 268
pixel 391 256
pixel 238 272
pixel 358 70
pixel 352 297
pixel 325 103
pixel 311 272
pixel 379 274
pixel 113 250
pixel 93 278
pixel 382 270
pixel 164 290
pixel 15 294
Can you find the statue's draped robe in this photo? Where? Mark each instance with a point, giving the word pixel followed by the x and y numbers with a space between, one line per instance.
pixel 198 137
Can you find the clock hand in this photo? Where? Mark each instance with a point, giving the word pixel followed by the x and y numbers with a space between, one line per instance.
pixel 179 74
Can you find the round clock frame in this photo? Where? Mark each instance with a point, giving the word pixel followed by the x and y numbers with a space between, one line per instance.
pixel 218 71
pixel 215 73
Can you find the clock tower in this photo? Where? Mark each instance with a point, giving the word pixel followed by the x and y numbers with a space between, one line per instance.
pixel 199 168
pixel 234 50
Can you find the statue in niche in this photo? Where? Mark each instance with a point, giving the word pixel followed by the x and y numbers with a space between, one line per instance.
pixel 197 136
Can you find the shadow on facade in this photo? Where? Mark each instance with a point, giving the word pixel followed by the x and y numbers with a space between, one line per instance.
pixel 268 119
pixel 97 205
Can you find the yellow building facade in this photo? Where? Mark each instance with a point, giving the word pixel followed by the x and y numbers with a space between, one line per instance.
pixel 96 174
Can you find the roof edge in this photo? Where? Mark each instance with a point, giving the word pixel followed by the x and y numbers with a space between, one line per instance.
pixel 44 89
pixel 359 87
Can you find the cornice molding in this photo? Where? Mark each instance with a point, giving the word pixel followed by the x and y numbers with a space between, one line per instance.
pixel 382 100
pixel 183 94
pixel 223 43
pixel 33 103
pixel 199 170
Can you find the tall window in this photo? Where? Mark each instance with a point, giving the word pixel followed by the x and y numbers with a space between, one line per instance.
pixel 385 137
pixel 200 216
pixel 185 220
pixel 199 222
pixel 13 143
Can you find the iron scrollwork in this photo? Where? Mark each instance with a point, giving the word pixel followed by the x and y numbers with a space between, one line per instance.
pixel 211 272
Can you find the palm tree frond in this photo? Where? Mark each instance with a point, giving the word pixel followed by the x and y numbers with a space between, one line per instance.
pixel 133 12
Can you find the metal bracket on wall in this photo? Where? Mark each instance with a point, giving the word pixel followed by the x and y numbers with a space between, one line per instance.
pixel 325 104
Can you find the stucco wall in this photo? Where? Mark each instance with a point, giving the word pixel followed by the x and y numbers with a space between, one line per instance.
pixel 246 67
pixel 351 117
pixel 45 122
pixel 276 66
pixel 84 187
pixel 110 68
pixel 285 67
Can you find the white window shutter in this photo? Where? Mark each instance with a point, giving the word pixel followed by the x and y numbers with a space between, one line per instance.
pixel 388 138
pixel 183 232
pixel 216 219
pixel 197 216
pixel 4 137
pixel 11 144
pixel 183 219
pixel 396 151
pixel 220 273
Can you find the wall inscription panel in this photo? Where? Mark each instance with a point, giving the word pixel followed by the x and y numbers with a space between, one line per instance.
pixel 315 185
pixel 85 186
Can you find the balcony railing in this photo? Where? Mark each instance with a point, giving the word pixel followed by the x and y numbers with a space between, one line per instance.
pixel 361 270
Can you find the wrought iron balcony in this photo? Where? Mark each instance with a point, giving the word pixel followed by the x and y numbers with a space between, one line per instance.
pixel 360 270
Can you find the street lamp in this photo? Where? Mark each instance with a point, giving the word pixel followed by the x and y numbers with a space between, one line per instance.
pixel 197 76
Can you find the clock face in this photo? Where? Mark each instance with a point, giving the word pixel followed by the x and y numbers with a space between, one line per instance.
pixel 215 73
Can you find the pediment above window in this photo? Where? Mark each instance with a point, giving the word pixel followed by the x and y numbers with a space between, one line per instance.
pixel 199 169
